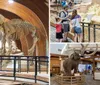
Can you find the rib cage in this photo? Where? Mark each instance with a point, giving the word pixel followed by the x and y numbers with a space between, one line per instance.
pixel 16 28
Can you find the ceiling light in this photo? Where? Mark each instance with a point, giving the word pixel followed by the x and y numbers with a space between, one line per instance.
pixel 10 1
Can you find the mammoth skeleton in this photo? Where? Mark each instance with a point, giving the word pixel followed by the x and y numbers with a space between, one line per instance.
pixel 73 61
pixel 17 29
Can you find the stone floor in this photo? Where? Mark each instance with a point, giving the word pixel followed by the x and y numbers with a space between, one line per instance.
pixel 88 81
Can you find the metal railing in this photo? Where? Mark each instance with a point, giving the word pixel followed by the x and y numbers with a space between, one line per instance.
pixel 90 26
pixel 36 59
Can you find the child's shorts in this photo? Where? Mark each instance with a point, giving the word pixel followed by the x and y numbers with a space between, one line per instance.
pixel 66 27
pixel 77 30
pixel 59 35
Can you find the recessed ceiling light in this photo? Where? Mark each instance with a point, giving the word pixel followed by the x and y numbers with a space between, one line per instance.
pixel 10 1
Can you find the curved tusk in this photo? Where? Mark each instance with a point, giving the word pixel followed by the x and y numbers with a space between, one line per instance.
pixel 83 48
pixel 31 50
pixel 94 51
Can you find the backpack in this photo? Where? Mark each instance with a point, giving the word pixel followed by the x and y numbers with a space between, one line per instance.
pixel 62 14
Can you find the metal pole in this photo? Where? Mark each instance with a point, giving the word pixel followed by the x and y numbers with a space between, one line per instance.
pixel 47 64
pixel 19 64
pixel 93 65
pixel 94 33
pixel 27 64
pixel 1 63
pixel 14 70
pixel 89 32
pixel 39 65
pixel 35 69
pixel 83 31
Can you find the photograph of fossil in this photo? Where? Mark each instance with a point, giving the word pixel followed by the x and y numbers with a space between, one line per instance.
pixel 24 42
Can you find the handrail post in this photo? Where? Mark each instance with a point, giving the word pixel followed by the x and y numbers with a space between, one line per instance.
pixel 47 64
pixel 19 64
pixel 1 63
pixel 94 33
pixel 71 80
pixel 83 30
pixel 39 65
pixel 35 69
pixel 27 64
pixel 89 32
pixel 14 73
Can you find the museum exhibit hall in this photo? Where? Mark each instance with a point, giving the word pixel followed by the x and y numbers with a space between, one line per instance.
pixel 74 35
pixel 49 42
pixel 24 42
pixel 87 10
pixel 75 64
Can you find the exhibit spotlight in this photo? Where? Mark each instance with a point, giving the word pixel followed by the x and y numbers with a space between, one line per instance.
pixel 10 1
